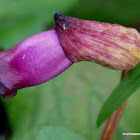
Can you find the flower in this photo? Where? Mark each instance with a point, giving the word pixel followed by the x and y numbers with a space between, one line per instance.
pixel 33 61
pixel 111 45
pixel 43 56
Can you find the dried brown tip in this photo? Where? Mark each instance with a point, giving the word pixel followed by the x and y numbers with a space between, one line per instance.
pixel 111 45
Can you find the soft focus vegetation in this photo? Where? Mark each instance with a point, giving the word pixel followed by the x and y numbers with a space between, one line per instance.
pixel 73 99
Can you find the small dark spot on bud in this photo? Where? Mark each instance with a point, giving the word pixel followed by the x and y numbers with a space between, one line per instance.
pixel 59 17
pixel 62 21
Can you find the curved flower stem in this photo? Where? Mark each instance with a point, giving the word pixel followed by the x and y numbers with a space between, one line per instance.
pixel 112 122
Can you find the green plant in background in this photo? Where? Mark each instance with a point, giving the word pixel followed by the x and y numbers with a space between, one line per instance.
pixel 57 105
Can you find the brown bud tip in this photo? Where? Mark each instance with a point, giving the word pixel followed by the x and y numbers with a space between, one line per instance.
pixel 110 45
pixel 61 22
pixel 59 17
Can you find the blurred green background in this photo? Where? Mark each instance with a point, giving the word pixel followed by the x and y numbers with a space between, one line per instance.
pixel 74 98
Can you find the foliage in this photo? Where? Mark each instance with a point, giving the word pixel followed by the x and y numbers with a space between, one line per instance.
pixel 121 93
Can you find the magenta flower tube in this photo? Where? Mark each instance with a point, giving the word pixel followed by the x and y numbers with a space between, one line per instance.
pixel 33 61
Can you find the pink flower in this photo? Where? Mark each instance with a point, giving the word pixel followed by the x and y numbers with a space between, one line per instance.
pixel 40 58
pixel 33 61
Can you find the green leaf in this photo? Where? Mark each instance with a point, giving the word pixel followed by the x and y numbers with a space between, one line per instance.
pixel 121 93
pixel 52 132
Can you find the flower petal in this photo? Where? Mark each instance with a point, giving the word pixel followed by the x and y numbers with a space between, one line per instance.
pixel 33 61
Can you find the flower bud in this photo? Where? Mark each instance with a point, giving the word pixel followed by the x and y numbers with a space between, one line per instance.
pixel 110 45
pixel 33 61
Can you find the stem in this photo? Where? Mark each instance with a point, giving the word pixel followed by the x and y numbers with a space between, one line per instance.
pixel 113 121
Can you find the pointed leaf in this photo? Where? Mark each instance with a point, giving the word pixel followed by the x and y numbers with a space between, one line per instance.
pixel 121 93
